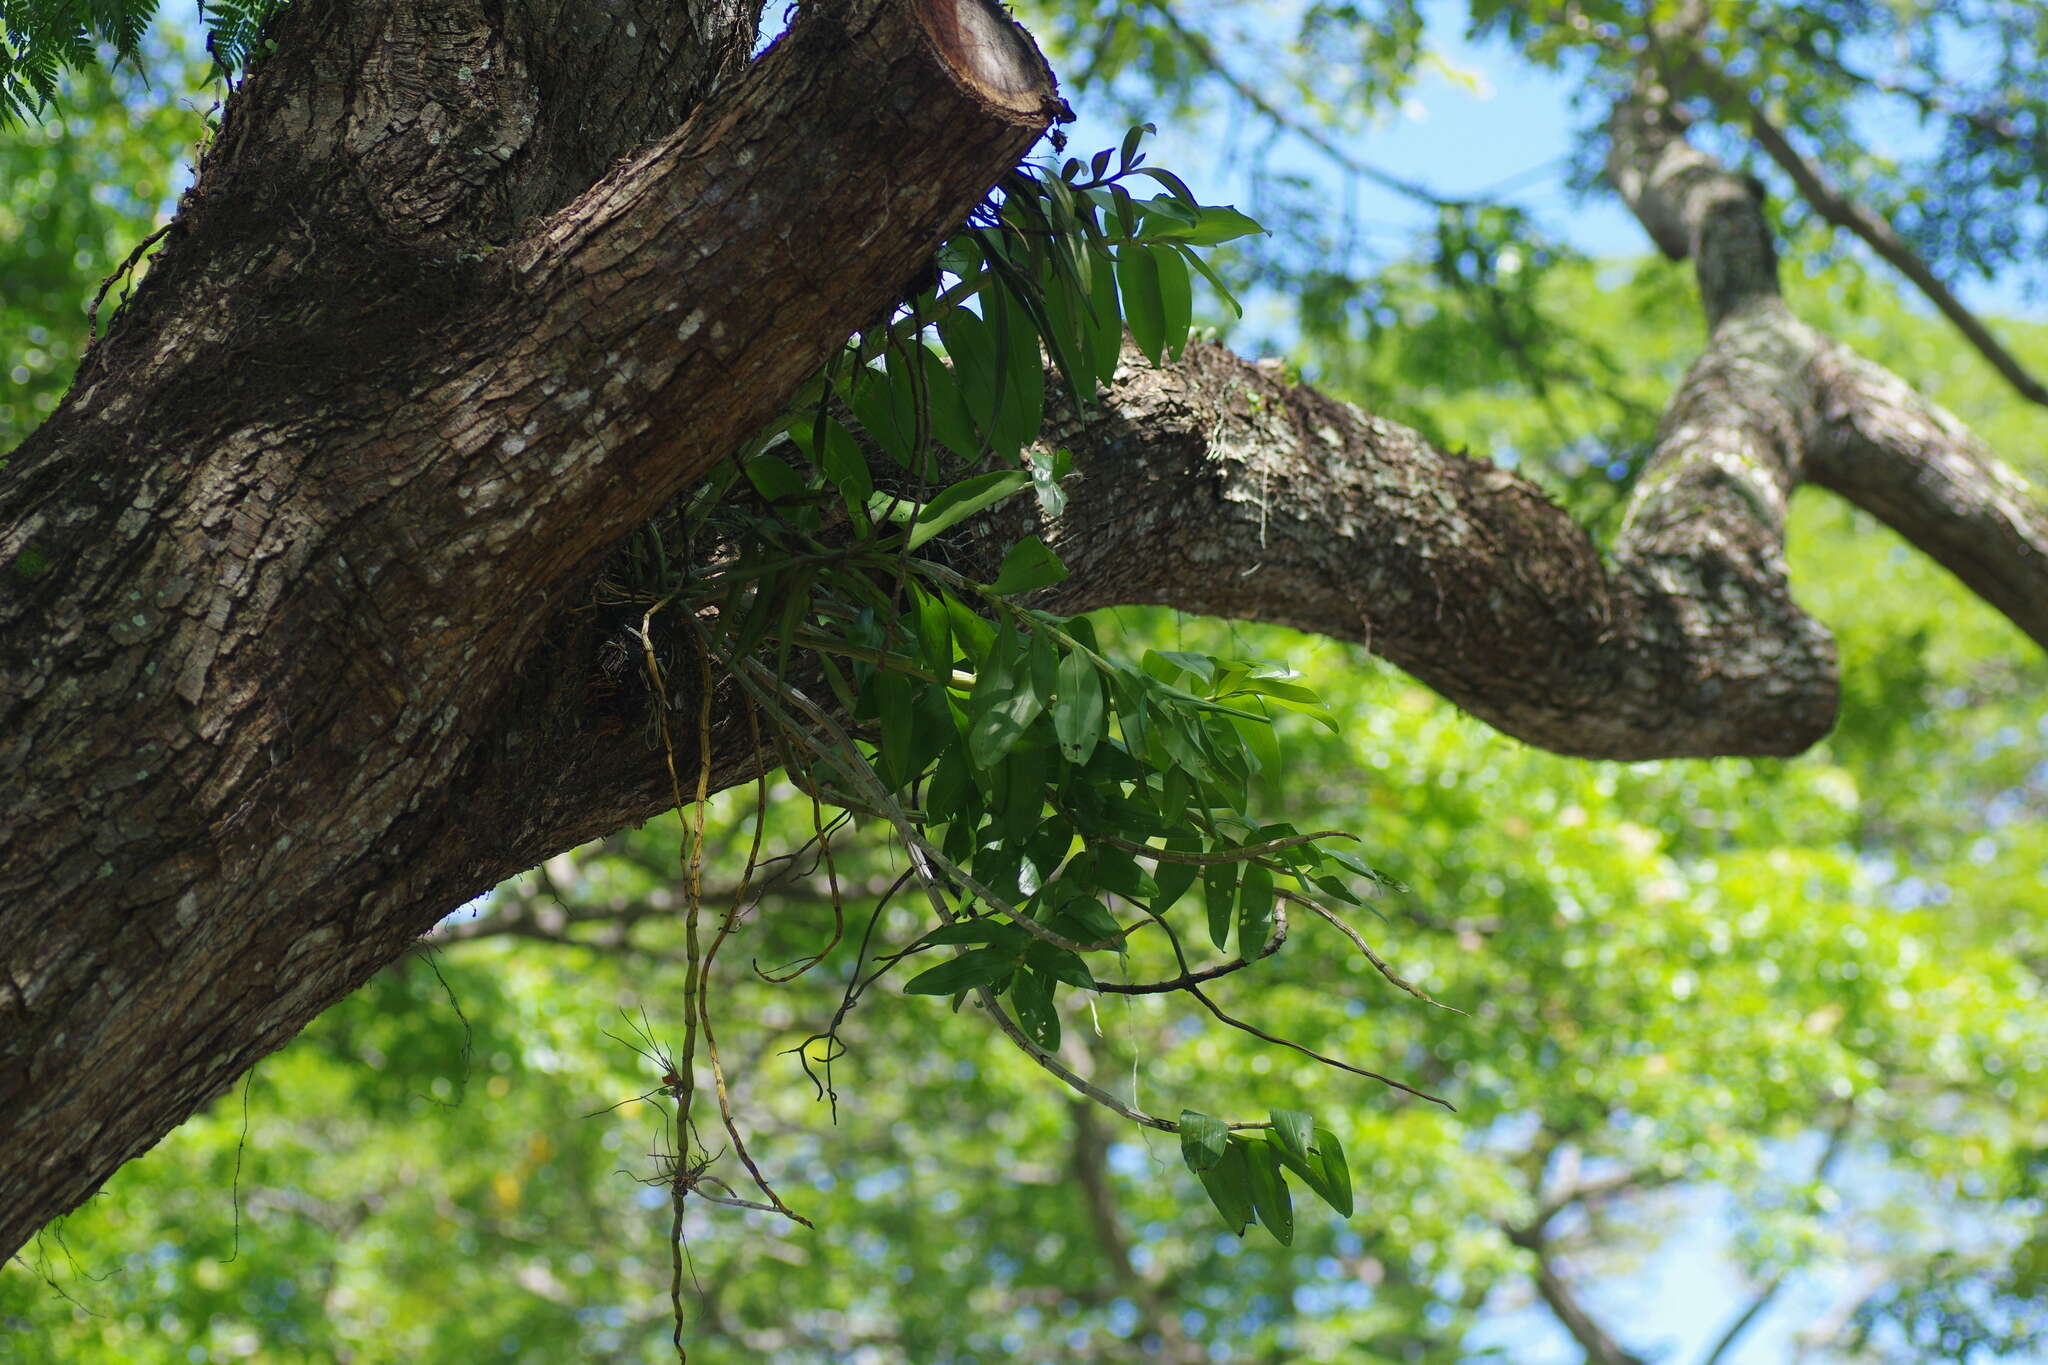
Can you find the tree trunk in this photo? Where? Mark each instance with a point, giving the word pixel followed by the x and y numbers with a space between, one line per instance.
pixel 288 668
pixel 292 655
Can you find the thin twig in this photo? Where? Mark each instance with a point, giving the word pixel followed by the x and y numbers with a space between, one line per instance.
pixel 1186 979
pixel 861 778
pixel 1358 942
pixel 1180 956
pixel 92 314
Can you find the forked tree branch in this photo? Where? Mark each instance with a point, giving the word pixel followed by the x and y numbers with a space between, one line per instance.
pixel 1862 431
pixel 1867 226
pixel 400 379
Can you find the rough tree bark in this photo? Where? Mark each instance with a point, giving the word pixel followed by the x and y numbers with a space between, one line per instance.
pixel 290 660
pixel 287 565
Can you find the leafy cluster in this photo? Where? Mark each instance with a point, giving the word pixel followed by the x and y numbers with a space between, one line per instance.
pixel 1056 804
pixel 1244 1175
pixel 40 40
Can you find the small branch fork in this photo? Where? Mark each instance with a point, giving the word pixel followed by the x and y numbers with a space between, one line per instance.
pixel 1867 226
pixel 119 273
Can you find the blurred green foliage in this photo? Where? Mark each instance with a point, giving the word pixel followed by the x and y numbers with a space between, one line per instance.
pixel 78 190
pixel 46 43
pixel 1680 980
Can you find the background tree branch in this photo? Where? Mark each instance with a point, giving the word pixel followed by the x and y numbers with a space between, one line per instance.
pixel 1873 231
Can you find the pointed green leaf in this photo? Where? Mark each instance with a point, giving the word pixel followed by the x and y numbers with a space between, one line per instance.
pixel 1214 224
pixel 1105 320
pixel 1355 863
pixel 1137 273
pixel 1335 1186
pixel 1115 870
pixel 1067 310
pixel 1202 1139
pixel 1130 144
pixel 1229 1186
pixel 975 967
pixel 883 411
pixel 1194 258
pixel 1042 658
pixel 1079 719
pixel 951 421
pixel 1004 702
pixel 983 930
pixel 1023 369
pixel 1176 298
pixel 1086 920
pixel 1174 879
pixel 1296 1133
pixel 1023 793
pixel 961 501
pixel 1270 1199
pixel 1028 565
pixel 971 347
pixel 948 794
pixel 1254 910
pixel 1178 661
pixel 1173 183
pixel 975 635
pixel 895 707
pixel 835 452
pixel 1059 964
pixel 774 480
pixel 1334 888
pixel 1323 1170
pixel 934 635
pixel 1219 890
pixel 1031 996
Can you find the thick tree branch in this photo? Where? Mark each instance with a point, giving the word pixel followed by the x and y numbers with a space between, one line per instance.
pixel 325 496
pixel 1864 432
pixel 1919 470
pixel 1215 487
pixel 1692 206
pixel 668 315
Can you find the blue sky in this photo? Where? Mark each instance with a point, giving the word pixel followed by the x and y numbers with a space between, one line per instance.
pixel 1499 125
